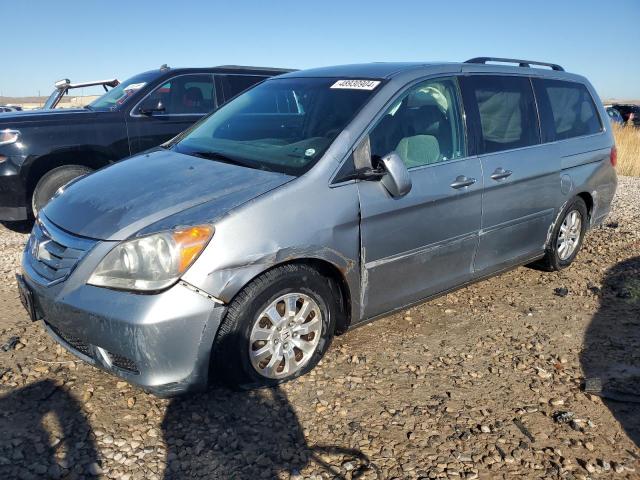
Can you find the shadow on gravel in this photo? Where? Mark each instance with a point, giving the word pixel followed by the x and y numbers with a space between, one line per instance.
pixel 255 434
pixel 611 354
pixel 29 448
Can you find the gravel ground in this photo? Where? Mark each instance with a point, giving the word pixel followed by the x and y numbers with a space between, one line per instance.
pixel 486 382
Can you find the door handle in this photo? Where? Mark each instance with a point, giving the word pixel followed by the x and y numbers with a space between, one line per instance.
pixel 500 173
pixel 461 181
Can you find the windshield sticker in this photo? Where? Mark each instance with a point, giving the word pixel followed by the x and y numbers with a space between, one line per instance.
pixel 309 152
pixel 128 91
pixel 134 86
pixel 356 84
pixel 125 96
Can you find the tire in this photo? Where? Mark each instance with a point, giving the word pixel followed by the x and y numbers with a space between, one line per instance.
pixel 232 360
pixel 51 181
pixel 555 258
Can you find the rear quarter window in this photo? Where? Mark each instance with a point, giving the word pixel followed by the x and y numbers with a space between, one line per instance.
pixel 567 109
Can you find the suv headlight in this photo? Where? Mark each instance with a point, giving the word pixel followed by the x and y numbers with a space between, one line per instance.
pixel 8 136
pixel 153 262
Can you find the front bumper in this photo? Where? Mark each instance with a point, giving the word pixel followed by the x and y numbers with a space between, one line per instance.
pixel 159 342
pixel 13 197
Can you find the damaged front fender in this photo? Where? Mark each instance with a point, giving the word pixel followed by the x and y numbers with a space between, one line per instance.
pixel 271 231
pixel 229 280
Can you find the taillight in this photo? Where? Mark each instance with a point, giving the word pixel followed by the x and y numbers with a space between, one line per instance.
pixel 613 156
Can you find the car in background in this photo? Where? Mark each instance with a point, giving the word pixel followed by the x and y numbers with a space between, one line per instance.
pixel 62 88
pixel 614 115
pixel 42 150
pixel 629 111
pixel 10 108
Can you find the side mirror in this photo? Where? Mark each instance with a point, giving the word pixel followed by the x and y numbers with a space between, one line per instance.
pixel 396 177
pixel 151 106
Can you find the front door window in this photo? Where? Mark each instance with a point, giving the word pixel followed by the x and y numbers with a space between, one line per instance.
pixel 423 127
pixel 182 95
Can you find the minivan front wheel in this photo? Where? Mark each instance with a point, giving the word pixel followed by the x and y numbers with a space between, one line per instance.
pixel 277 328
pixel 566 237
pixel 285 335
pixel 51 181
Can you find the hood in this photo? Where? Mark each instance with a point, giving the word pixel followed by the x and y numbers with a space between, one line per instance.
pixel 25 116
pixel 120 200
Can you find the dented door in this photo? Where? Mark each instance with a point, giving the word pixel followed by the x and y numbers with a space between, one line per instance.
pixel 423 243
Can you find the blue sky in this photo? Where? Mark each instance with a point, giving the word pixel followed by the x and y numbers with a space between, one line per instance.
pixel 85 40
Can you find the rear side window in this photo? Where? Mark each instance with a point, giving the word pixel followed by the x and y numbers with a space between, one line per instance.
pixel 567 109
pixel 231 85
pixel 504 111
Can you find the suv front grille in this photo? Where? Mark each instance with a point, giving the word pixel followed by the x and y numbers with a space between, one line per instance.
pixel 54 253
pixel 72 340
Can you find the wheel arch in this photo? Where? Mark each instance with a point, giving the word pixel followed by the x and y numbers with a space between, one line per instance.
pixel 42 165
pixel 589 202
pixel 586 198
pixel 337 274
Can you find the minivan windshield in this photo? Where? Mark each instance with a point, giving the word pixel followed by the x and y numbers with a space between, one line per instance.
pixel 114 98
pixel 283 124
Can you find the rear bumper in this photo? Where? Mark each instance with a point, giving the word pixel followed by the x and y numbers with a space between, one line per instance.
pixel 160 342
pixel 13 197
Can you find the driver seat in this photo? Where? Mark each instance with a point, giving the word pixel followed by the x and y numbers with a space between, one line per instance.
pixel 192 100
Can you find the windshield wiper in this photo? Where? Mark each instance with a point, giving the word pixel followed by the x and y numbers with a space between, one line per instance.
pixel 221 157
pixel 88 107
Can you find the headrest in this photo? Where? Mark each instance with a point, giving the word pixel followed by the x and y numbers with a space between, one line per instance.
pixel 428 96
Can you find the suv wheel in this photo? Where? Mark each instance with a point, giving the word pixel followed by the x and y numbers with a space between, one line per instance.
pixel 567 236
pixel 51 181
pixel 277 328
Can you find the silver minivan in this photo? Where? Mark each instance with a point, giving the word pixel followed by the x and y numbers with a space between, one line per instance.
pixel 313 203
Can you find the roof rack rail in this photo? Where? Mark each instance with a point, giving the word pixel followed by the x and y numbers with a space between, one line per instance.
pixel 521 63
pixel 249 67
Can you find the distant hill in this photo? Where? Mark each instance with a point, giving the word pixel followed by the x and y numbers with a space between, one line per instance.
pixel 21 100
pixel 608 101
pixel 35 102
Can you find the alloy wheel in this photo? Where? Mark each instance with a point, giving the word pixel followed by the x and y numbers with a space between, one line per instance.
pixel 285 335
pixel 569 235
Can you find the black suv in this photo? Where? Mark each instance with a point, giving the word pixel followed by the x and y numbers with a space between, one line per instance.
pixel 43 150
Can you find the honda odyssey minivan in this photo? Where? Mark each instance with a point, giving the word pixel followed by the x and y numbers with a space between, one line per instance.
pixel 312 203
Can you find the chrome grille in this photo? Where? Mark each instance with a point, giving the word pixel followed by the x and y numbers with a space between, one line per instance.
pixel 54 253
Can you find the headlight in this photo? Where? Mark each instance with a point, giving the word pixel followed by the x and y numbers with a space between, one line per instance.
pixel 9 136
pixel 153 262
